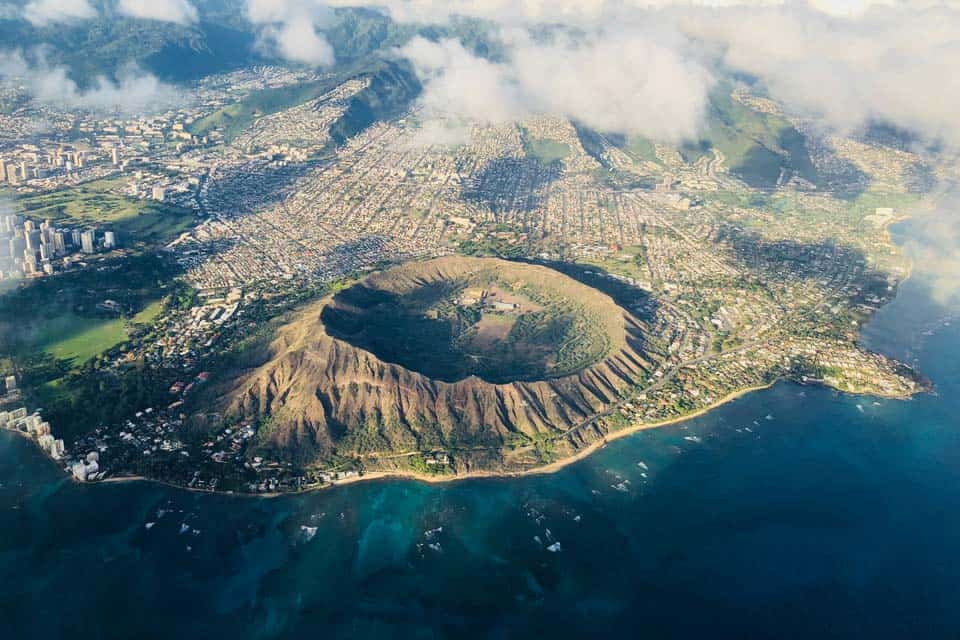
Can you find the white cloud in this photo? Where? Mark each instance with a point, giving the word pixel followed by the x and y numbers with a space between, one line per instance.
pixel 846 62
pixel 618 82
pixel 293 29
pixel 443 132
pixel 133 91
pixel 501 11
pixel 10 12
pixel 460 84
pixel 43 12
pixel 891 64
pixel 582 12
pixel 933 246
pixel 299 41
pixel 178 11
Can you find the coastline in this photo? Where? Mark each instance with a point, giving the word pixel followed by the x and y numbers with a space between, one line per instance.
pixel 552 467
pixel 29 438
pixel 926 207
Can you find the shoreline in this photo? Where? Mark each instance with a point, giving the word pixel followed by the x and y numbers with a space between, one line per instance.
pixel 927 206
pixel 547 469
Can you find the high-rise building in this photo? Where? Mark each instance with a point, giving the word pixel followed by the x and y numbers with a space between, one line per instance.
pixel 46 232
pixel 17 246
pixel 11 383
pixel 60 242
pixel 30 263
pixel 115 156
pixel 159 193
pixel 87 241
pixel 33 239
pixel 109 239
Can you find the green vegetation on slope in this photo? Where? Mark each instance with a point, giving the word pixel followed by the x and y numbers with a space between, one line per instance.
pixel 232 119
pixel 641 149
pixel 757 145
pixel 392 88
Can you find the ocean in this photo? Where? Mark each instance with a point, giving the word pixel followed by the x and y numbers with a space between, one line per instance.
pixel 793 512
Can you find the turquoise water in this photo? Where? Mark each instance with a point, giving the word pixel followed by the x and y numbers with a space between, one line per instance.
pixel 799 513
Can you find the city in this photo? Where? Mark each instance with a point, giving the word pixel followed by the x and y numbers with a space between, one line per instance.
pixel 479 319
pixel 727 304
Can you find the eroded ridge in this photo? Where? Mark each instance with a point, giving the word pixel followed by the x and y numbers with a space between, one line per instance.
pixel 450 353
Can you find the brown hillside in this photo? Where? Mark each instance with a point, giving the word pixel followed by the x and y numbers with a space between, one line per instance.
pixel 326 396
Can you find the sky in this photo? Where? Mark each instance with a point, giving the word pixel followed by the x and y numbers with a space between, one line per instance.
pixel 643 67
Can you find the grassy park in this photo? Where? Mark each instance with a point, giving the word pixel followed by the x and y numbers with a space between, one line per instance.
pixel 98 203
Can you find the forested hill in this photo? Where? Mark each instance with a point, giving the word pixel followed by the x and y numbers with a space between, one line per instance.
pixel 221 40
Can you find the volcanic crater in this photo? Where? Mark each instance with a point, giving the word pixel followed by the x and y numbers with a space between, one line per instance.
pixel 473 356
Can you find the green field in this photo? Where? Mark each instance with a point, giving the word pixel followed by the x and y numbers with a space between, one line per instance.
pixel 77 339
pixel 867 202
pixel 149 313
pixel 629 262
pixel 63 316
pixel 545 150
pixel 93 204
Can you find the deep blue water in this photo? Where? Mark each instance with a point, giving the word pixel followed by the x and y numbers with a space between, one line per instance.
pixel 837 517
